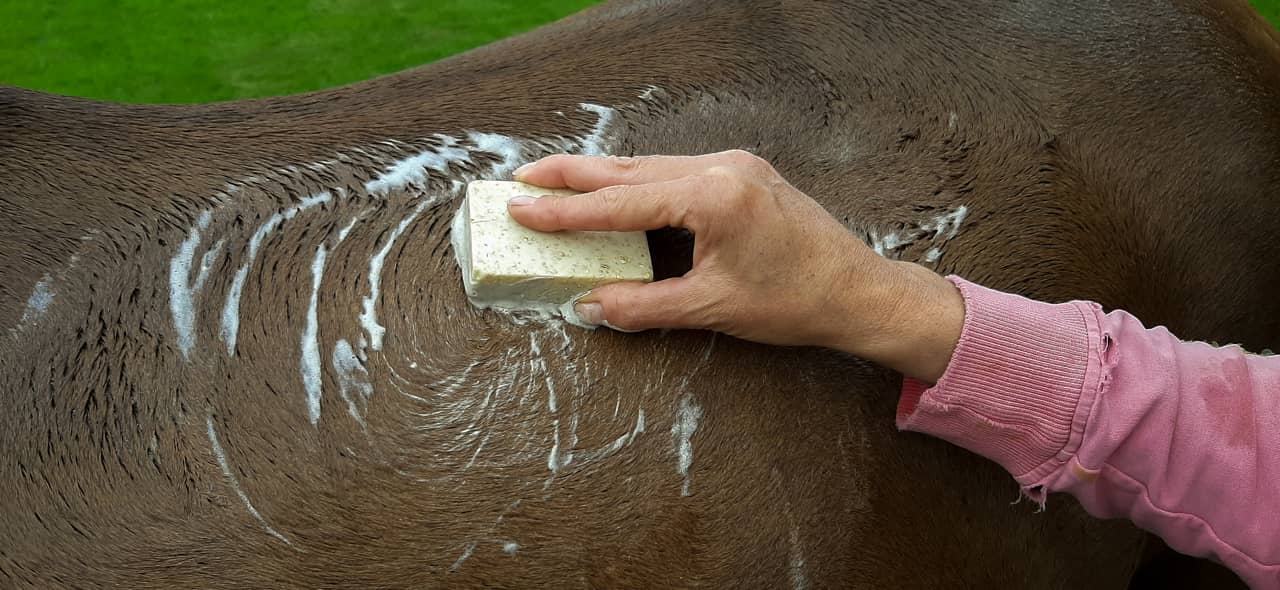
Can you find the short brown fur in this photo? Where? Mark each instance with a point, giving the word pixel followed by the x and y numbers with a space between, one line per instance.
pixel 1121 152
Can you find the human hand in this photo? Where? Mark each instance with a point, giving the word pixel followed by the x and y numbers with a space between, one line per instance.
pixel 769 263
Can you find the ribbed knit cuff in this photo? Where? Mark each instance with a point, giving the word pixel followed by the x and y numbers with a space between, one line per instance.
pixel 1020 383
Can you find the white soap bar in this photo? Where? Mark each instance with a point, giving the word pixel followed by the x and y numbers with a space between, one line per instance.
pixel 509 266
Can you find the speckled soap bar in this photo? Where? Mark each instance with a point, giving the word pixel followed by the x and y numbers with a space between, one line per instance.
pixel 510 266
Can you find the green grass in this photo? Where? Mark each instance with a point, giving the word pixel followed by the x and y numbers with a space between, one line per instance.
pixel 205 50
pixel 1270 9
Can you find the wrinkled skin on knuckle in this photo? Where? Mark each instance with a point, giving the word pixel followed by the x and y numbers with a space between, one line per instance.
pixel 625 166
pixel 783 192
pixel 552 211
pixel 612 201
pixel 703 303
pixel 729 315
pixel 696 203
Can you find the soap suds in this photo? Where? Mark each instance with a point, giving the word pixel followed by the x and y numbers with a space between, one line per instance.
pixel 686 423
pixel 182 291
pixel 948 225
pixel 39 301
pixel 500 145
pixel 553 460
pixel 412 171
pixel 935 232
pixel 471 463
pixel 799 578
pixel 595 144
pixel 206 264
pixel 369 315
pixel 622 441
pixel 538 364
pixel 311 378
pixel 235 483
pixel 231 309
pixel 353 380
pixel 450 156
pixel 466 553
pixel 342 235
pixel 885 245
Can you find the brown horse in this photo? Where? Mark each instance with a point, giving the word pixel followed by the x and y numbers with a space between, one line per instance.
pixel 236 350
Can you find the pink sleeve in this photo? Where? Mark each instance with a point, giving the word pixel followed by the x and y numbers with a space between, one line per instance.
pixel 1179 437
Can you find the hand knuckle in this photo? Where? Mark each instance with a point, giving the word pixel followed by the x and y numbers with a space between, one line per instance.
pixel 720 314
pixel 729 185
pixel 746 161
pixel 724 176
pixel 612 198
pixel 554 209
pixel 626 165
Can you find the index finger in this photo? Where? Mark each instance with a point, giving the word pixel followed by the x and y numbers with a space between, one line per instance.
pixel 591 173
pixel 614 208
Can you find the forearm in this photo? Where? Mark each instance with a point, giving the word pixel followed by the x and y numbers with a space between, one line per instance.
pixel 1179 437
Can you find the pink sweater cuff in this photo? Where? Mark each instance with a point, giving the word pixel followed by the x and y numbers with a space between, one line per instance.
pixel 1017 397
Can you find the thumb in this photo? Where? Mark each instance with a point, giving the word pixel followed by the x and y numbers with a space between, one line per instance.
pixel 631 306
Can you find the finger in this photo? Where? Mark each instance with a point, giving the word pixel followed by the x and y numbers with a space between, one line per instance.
pixel 590 173
pixel 615 208
pixel 630 306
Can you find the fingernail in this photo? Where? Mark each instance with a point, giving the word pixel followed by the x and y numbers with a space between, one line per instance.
pixel 521 201
pixel 521 170
pixel 590 313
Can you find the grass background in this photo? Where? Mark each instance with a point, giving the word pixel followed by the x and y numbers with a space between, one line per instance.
pixel 207 50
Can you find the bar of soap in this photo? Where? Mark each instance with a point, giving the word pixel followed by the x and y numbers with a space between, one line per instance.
pixel 509 266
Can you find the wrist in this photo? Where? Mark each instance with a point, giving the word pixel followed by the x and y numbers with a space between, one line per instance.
pixel 903 316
